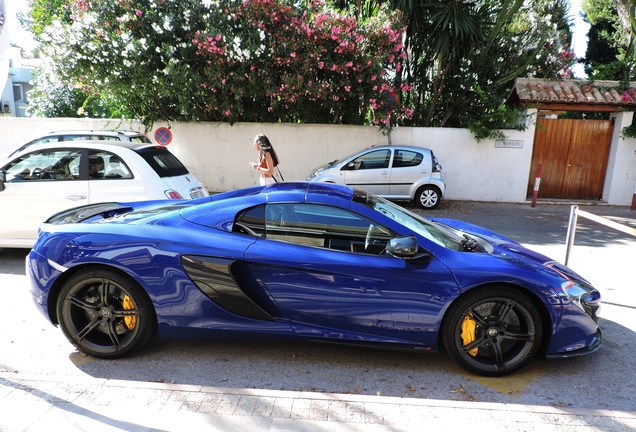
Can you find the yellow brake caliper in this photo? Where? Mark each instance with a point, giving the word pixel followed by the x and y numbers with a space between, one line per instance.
pixel 129 320
pixel 468 333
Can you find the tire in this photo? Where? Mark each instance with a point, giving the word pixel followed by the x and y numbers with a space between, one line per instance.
pixel 428 197
pixel 506 331
pixel 104 314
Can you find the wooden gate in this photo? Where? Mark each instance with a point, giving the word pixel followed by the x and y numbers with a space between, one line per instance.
pixel 574 154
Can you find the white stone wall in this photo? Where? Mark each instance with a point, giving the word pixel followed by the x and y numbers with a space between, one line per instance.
pixel 218 154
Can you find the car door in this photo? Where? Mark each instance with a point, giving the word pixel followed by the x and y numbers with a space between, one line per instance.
pixel 37 185
pixel 369 171
pixel 315 267
pixel 408 167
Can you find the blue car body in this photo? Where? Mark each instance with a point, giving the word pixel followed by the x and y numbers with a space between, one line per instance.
pixel 205 275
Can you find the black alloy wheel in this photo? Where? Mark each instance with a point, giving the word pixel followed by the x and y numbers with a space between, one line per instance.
pixel 493 331
pixel 104 314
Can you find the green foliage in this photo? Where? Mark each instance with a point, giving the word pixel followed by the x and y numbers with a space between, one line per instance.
pixel 629 131
pixel 229 60
pixel 461 47
pixel 494 118
pixel 51 97
pixel 607 42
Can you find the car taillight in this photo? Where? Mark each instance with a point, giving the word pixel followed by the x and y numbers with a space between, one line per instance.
pixel 173 194
pixel 436 165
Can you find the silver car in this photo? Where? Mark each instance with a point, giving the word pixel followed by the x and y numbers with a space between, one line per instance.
pixel 393 172
pixel 51 177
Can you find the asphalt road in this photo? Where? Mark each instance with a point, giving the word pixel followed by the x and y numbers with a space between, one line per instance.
pixel 604 380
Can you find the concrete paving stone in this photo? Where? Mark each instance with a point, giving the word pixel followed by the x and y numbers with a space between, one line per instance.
pixel 246 405
pixel 318 410
pixel 265 406
pixel 210 403
pixel 228 404
pixel 89 395
pixel 282 408
pixel 337 411
pixel 301 409
pixel 153 398
pixel 355 412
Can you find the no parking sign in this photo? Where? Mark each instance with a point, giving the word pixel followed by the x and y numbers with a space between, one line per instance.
pixel 163 136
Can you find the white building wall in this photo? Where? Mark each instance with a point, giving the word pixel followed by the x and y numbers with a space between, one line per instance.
pixel 620 181
pixel 218 154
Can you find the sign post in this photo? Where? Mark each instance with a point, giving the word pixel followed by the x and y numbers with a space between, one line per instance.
pixel 537 182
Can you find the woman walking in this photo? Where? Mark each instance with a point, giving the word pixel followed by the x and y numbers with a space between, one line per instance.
pixel 267 159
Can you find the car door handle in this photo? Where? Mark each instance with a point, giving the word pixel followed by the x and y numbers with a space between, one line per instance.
pixel 76 197
pixel 385 172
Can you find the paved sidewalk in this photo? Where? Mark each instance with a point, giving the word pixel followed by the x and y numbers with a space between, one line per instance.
pixel 38 403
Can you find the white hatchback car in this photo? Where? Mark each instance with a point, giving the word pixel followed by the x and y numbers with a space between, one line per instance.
pixel 393 172
pixel 48 178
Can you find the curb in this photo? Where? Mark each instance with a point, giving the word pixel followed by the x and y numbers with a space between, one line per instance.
pixel 303 395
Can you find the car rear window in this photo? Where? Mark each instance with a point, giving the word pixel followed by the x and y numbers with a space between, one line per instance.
pixel 163 162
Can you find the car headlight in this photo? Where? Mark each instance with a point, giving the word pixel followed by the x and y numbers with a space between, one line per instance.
pixel 316 173
pixel 579 293
pixel 582 295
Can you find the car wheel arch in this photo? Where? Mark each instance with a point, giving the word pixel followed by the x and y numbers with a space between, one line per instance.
pixel 56 288
pixel 533 297
pixel 428 186
pixel 105 313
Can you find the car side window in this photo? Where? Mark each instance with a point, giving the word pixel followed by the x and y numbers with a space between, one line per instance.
pixel 324 226
pixel 371 160
pixel 251 222
pixel 406 158
pixel 106 165
pixel 45 165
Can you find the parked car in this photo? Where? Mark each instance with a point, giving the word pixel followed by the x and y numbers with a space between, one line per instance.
pixel 47 178
pixel 392 172
pixel 84 135
pixel 307 260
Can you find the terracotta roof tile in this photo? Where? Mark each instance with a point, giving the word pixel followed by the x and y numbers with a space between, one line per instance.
pixel 544 91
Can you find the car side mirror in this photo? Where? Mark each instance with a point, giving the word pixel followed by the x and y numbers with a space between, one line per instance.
pixel 3 178
pixel 406 248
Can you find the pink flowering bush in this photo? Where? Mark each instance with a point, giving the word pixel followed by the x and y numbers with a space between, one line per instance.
pixel 274 61
pixel 231 60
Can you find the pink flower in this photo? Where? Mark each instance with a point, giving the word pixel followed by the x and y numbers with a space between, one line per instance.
pixel 138 13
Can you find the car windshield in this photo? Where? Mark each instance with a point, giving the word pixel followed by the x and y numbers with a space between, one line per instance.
pixel 434 232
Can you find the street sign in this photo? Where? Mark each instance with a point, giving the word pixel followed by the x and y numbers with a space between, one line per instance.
pixel 163 136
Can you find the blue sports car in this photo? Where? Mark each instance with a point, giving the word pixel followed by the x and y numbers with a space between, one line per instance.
pixel 315 261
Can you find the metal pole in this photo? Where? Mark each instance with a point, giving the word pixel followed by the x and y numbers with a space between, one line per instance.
pixel 569 239
pixel 537 182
